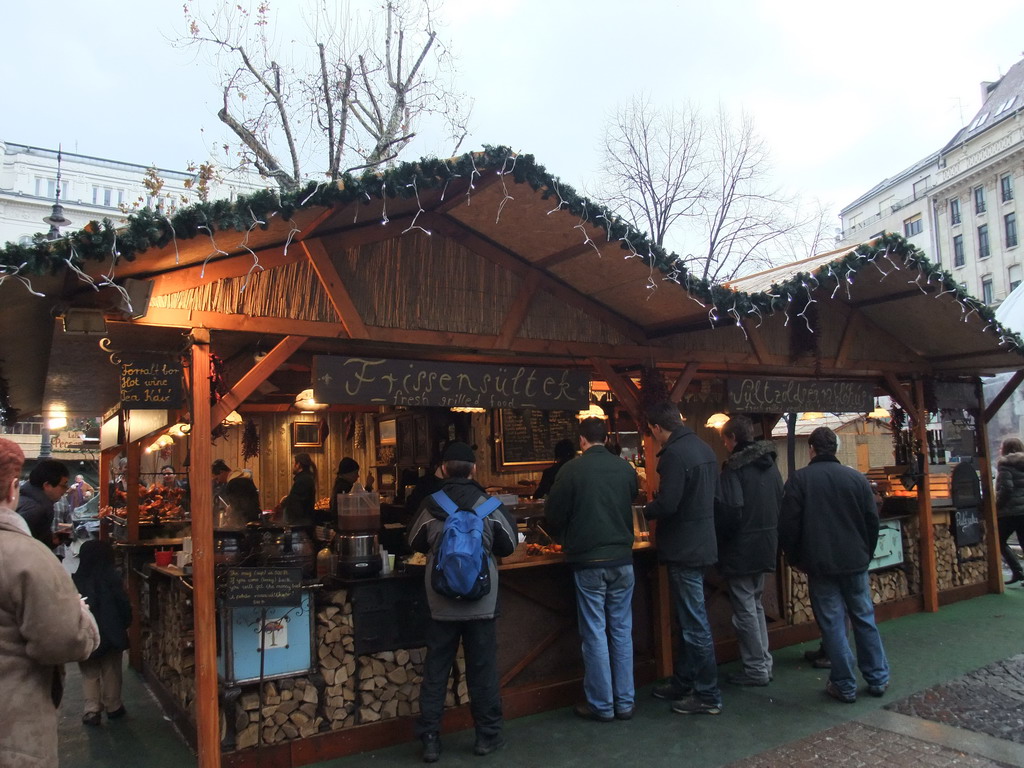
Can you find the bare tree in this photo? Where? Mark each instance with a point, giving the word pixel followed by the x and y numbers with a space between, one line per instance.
pixel 698 180
pixel 347 97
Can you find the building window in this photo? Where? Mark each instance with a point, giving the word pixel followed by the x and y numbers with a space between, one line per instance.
pixel 1006 188
pixel 983 248
pixel 979 199
pixel 1014 275
pixel 912 226
pixel 987 294
pixel 958 250
pixel 95 195
pixel 954 211
pixel 1010 228
pixel 921 187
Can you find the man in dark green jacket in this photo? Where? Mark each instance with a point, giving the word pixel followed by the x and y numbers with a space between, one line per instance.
pixel 589 509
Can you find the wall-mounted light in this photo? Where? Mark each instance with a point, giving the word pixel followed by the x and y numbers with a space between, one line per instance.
pixel 811 415
pixel 304 401
pixel 467 409
pixel 180 429
pixel 164 441
pixel 716 420
pixel 56 421
pixel 84 321
pixel 595 411
pixel 233 419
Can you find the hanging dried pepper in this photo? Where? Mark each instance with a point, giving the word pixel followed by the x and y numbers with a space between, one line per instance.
pixel 250 440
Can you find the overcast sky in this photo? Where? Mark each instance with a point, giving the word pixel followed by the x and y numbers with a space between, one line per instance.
pixel 845 94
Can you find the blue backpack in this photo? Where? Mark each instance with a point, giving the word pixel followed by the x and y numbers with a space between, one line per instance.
pixel 461 570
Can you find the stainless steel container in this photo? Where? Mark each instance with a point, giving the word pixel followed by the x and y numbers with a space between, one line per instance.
pixel 358 554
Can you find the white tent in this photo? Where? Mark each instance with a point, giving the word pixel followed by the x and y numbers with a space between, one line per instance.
pixel 1009 420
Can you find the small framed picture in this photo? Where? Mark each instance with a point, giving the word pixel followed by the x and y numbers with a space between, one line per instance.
pixel 386 432
pixel 307 434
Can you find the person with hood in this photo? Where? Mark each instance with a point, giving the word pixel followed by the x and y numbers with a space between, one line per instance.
pixel 99 582
pixel 828 528
pixel 473 622
pixel 46 484
pixel 43 625
pixel 345 479
pixel 297 507
pixel 746 523
pixel 684 512
pixel 1010 502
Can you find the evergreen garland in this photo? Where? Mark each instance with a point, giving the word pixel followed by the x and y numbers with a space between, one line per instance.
pixel 145 229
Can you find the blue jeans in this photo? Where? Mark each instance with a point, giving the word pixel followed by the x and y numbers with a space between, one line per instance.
pixel 695 667
pixel 833 599
pixel 604 602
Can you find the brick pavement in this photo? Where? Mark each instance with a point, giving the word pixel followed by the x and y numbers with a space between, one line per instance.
pixel 856 744
pixel 989 700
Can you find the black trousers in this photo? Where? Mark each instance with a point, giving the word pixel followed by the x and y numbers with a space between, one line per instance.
pixel 480 642
pixel 1007 527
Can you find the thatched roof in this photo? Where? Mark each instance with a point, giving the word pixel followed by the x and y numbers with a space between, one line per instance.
pixel 486 256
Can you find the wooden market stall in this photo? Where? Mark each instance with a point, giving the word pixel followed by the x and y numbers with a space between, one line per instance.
pixel 486 270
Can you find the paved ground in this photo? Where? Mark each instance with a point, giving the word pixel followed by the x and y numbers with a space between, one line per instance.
pixel 989 700
pixel 958 683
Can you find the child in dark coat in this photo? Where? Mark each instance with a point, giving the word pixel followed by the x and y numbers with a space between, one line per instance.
pixel 99 582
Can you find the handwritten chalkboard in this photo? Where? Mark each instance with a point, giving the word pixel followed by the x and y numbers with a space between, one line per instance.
pixel 259 587
pixel 378 381
pixel 967 530
pixel 527 436
pixel 756 395
pixel 151 383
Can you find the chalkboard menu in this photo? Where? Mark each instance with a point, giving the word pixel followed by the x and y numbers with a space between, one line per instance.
pixel 527 436
pixel 151 383
pixel 260 587
pixel 756 395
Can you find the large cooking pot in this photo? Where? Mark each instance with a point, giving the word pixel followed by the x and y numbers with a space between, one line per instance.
pixel 231 547
pixel 288 548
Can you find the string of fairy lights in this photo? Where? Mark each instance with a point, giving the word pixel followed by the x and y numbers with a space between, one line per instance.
pixel 890 255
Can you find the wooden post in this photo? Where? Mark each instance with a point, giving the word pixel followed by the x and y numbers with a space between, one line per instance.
pixel 203 597
pixel 988 497
pixel 133 453
pixel 929 578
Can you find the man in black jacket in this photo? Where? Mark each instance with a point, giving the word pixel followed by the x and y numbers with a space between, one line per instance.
pixel 46 483
pixel 746 520
pixel 685 536
pixel 589 509
pixel 828 529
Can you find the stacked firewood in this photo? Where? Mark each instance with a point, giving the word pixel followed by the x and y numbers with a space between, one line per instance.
pixel 336 656
pixel 289 710
pixel 800 610
pixel 169 647
pixel 890 584
pixel 945 558
pixel 389 684
pixel 972 564
pixel 912 554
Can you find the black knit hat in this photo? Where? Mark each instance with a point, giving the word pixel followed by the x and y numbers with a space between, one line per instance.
pixel 346 465
pixel 459 452
pixel 220 466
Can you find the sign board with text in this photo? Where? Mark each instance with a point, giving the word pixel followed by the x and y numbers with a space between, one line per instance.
pixel 756 395
pixel 151 383
pixel 378 381
pixel 261 587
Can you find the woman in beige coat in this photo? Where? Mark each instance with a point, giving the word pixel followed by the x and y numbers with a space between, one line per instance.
pixel 43 625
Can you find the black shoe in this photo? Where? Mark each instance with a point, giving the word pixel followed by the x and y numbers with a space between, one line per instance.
pixel 91 718
pixel 691 705
pixel 670 691
pixel 822 663
pixel 117 714
pixel 817 653
pixel 878 691
pixel 838 695
pixel 742 678
pixel 625 714
pixel 486 744
pixel 1015 578
pixel 431 747
pixel 584 710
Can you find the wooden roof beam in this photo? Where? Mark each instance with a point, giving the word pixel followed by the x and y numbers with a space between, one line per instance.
pixel 341 299
pixel 621 386
pixel 256 376
pixel 685 377
pixel 497 254
pixel 517 312
pixel 566 254
pixel 1004 394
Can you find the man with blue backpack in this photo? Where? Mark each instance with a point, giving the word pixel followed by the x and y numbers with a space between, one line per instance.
pixel 461 529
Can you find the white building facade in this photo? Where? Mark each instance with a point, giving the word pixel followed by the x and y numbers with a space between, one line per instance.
pixel 91 188
pixel 959 205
